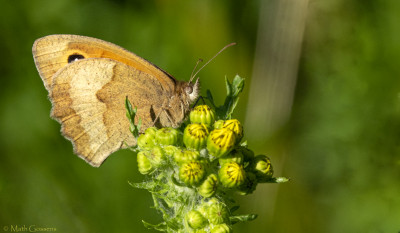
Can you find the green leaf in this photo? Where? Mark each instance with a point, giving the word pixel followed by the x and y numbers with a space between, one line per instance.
pixel 277 180
pixel 175 182
pixel 134 149
pixel 159 227
pixel 174 224
pixel 143 185
pixel 210 98
pixel 281 179
pixel 233 90
pixel 228 87
pixel 234 208
pixel 237 85
pixel 243 218
pixel 244 144
pixel 232 107
pixel 131 114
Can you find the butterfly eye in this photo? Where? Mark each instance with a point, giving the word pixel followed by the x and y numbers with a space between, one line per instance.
pixel 188 90
pixel 75 57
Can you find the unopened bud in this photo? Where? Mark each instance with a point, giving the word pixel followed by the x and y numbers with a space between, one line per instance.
pixel 199 231
pixel 218 124
pixel 144 165
pixel 195 136
pixel 209 186
pixel 146 141
pixel 184 156
pixel 217 213
pixel 234 156
pixel 156 156
pixel 191 173
pixel 170 150
pixel 202 114
pixel 195 219
pixel 236 127
pixel 167 136
pixel 262 168
pixel 221 228
pixel 231 175
pixel 220 142
pixel 151 131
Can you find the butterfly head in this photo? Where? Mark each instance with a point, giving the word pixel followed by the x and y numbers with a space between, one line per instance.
pixel 192 90
pixel 189 91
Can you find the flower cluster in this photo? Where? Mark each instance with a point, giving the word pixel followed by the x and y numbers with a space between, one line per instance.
pixel 193 172
pixel 199 167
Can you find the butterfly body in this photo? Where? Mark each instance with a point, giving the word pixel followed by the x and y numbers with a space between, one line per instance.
pixel 88 80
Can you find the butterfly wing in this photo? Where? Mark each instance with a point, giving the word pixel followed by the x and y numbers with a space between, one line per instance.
pixel 88 99
pixel 51 53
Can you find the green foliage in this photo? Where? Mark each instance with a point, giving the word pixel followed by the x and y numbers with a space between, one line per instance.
pixel 243 218
pixel 233 90
pixel 131 114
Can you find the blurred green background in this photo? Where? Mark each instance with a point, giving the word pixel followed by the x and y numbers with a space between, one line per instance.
pixel 337 138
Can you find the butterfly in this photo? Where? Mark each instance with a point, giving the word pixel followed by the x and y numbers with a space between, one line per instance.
pixel 88 81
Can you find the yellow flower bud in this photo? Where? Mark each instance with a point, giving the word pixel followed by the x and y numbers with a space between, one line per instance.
pixel 262 168
pixel 236 127
pixel 220 142
pixel 144 165
pixel 156 156
pixel 209 186
pixel 217 213
pixel 195 136
pixel 167 136
pixel 195 219
pixel 146 141
pixel 191 173
pixel 199 231
pixel 202 114
pixel 221 228
pixel 151 131
pixel 234 156
pixel 218 124
pixel 170 150
pixel 184 156
pixel 231 175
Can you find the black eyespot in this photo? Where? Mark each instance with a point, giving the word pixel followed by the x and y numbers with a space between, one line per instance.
pixel 188 90
pixel 75 57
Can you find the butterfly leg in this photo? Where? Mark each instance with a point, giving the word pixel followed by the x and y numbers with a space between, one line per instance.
pixel 167 114
pixel 157 118
pixel 197 101
pixel 170 118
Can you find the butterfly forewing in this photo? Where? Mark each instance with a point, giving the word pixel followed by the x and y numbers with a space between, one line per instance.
pixel 53 52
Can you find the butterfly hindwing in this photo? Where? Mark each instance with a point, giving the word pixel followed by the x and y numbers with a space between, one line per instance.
pixel 88 100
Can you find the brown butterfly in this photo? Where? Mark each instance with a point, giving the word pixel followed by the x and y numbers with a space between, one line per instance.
pixel 88 80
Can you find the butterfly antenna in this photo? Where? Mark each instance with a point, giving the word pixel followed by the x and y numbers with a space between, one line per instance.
pixel 227 46
pixel 197 63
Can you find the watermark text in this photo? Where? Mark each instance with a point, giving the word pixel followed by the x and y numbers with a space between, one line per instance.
pixel 28 228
